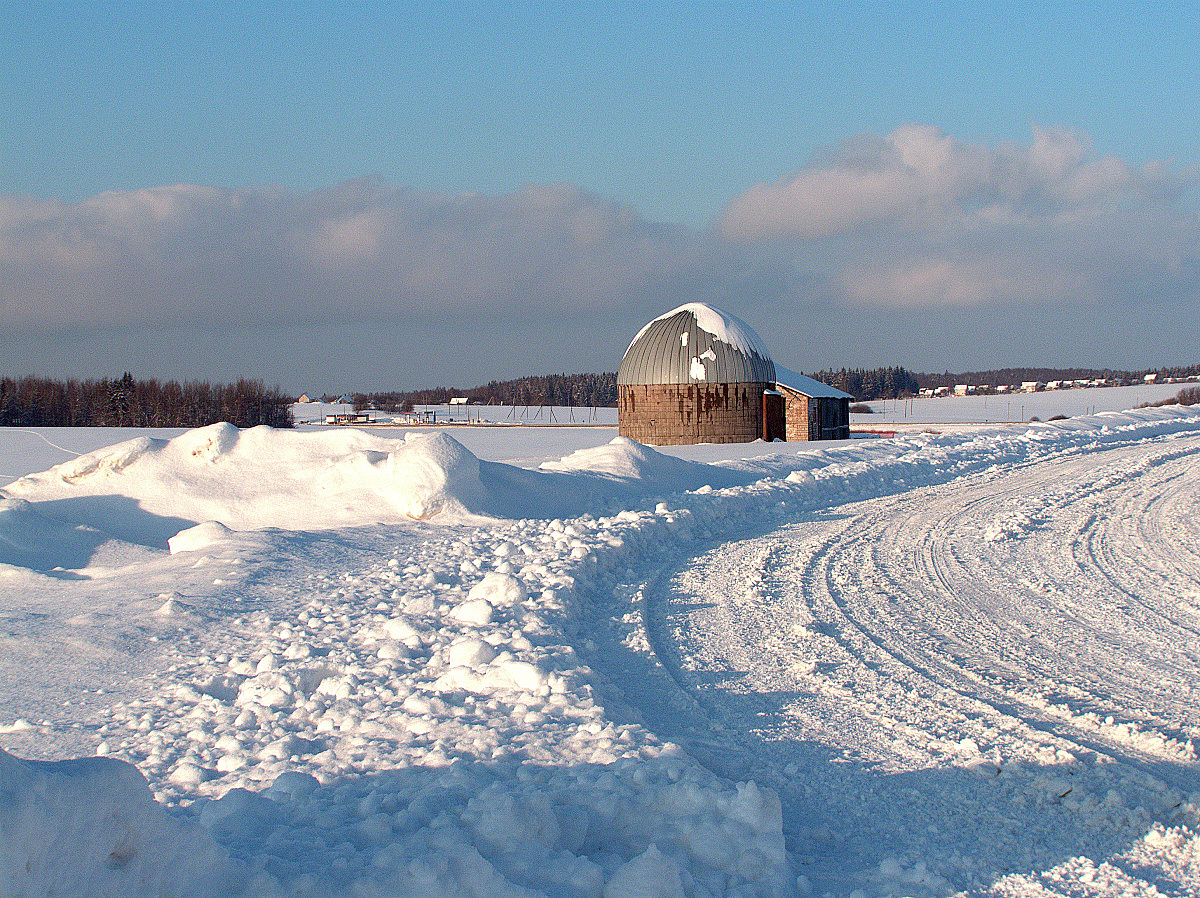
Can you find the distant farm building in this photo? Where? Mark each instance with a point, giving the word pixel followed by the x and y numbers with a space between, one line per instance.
pixel 698 375
pixel 349 418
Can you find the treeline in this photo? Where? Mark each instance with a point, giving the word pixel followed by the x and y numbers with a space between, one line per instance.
pixel 894 383
pixel 589 390
pixel 39 402
pixel 1021 375
pixel 864 384
pixel 871 383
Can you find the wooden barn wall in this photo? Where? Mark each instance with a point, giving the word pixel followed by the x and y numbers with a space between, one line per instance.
pixel 680 414
pixel 835 419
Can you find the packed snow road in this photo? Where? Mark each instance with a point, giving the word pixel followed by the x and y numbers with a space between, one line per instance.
pixel 1012 657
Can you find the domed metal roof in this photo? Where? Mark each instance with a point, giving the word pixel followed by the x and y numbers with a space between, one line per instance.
pixel 696 343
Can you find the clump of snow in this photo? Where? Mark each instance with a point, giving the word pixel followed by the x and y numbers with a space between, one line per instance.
pixel 202 536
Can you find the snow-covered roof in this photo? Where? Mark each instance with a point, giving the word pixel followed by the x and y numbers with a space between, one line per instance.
pixel 802 383
pixel 696 343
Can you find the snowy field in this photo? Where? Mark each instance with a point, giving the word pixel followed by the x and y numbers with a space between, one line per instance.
pixel 507 415
pixel 1013 407
pixel 359 662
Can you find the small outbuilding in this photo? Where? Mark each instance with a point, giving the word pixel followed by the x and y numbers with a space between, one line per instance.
pixel 811 410
pixel 699 375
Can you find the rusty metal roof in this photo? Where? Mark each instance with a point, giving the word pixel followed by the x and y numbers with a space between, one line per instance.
pixel 696 344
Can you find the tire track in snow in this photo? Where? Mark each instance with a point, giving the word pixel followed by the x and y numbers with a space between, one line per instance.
pixel 1008 618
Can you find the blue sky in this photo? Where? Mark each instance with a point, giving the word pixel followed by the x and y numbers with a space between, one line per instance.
pixel 667 119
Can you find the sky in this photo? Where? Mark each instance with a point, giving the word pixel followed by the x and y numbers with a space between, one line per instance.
pixel 371 197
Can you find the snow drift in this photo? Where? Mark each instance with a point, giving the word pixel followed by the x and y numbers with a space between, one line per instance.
pixel 91 826
pixel 147 490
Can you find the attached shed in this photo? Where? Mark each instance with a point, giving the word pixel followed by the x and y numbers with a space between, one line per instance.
pixel 810 410
pixel 699 375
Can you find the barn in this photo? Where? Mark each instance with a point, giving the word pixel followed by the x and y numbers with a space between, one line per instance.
pixel 699 375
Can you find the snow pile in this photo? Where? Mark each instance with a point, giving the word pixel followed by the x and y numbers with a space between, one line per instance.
pixel 91 826
pixel 645 468
pixel 259 478
pixel 147 491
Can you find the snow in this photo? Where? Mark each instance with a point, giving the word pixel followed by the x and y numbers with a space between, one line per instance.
pixel 364 661
pixel 1012 407
pixel 26 449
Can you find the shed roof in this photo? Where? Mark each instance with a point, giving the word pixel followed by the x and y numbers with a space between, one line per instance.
pixel 696 343
pixel 802 383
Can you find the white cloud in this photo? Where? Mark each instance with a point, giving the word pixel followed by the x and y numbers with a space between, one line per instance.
pixel 892 244
pixel 361 248
pixel 917 177
pixel 920 220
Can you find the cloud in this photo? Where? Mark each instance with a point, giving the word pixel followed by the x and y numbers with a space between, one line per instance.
pixel 917 219
pixel 913 248
pixel 360 249
pixel 916 177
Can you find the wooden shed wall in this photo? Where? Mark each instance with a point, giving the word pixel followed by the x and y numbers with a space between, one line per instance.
pixel 835 419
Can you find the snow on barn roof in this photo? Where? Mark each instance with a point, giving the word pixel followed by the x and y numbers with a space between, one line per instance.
pixel 802 383
pixel 696 343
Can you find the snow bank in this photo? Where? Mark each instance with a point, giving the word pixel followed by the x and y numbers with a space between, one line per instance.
pixel 149 491
pixel 259 478
pixel 92 827
pixel 32 540
pixel 647 468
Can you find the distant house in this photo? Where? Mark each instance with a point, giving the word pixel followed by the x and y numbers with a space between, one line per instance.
pixel 304 397
pixel 1150 378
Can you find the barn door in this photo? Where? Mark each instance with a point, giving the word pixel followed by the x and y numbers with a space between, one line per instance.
pixel 774 427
